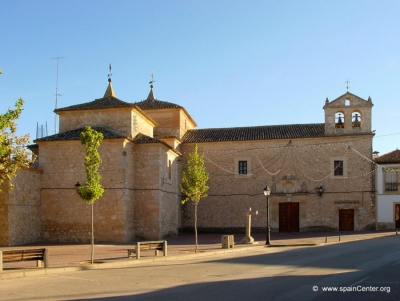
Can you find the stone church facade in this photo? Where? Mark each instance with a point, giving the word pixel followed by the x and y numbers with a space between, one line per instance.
pixel 145 147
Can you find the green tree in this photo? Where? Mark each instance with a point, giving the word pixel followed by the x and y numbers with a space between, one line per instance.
pixel 194 180
pixel 13 151
pixel 91 190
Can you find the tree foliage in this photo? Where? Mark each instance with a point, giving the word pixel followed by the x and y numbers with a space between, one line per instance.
pixel 194 178
pixel 13 151
pixel 91 190
pixel 194 182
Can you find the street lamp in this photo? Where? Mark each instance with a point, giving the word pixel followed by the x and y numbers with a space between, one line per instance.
pixel 267 192
pixel 320 190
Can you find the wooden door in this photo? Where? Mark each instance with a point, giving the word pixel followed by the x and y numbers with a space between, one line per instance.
pixel 289 217
pixel 397 216
pixel 346 220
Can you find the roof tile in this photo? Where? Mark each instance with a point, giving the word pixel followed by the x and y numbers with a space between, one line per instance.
pixel 75 135
pixel 100 103
pixel 255 133
pixel 152 104
pixel 392 157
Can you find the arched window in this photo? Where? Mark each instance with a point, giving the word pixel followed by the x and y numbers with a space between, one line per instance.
pixel 347 102
pixel 339 120
pixel 356 119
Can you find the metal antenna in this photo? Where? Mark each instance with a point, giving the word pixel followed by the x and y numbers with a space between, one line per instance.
pixel 347 85
pixel 55 115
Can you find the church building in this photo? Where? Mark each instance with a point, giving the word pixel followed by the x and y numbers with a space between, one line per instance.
pixel 320 174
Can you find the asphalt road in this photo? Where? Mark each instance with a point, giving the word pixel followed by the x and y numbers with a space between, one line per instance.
pixel 297 273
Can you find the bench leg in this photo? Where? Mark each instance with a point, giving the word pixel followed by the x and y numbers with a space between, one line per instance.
pixel 38 263
pixel 46 259
pixel 130 253
pixel 137 251
pixel 165 249
pixel 1 261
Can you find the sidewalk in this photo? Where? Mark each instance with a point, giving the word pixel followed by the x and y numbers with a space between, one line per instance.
pixel 72 257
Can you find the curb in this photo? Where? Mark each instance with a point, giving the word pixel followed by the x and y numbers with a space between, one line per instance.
pixel 293 245
pixel 118 263
pixel 132 262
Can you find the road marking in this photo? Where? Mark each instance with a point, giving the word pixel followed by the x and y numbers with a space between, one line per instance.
pixel 75 278
pixel 359 281
pixel 386 282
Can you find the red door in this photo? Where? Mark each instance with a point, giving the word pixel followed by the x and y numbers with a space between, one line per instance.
pixel 346 220
pixel 288 217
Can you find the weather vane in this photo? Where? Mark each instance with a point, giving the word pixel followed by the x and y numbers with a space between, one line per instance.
pixel 109 74
pixel 347 85
pixel 152 80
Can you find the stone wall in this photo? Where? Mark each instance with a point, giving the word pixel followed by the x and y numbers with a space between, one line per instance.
pixel 170 196
pixel 292 169
pixel 147 179
pixel 156 196
pixel 170 122
pixel 65 217
pixel 20 209
pixel 4 222
pixel 116 118
pixel 356 105
pixel 127 121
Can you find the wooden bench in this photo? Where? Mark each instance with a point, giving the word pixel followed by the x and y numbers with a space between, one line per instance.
pixel 160 245
pixel 40 255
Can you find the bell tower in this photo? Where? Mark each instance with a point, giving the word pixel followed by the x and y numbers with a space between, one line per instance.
pixel 348 114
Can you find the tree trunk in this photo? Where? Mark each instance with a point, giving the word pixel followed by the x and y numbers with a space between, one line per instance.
pixel 92 253
pixel 195 223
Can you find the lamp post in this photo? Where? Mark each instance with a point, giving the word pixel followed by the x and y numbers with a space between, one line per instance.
pixel 267 192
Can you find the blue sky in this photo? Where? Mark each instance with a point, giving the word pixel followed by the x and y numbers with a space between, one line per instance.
pixel 229 63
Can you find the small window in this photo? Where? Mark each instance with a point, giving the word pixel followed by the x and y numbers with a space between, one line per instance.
pixel 391 177
pixel 169 169
pixel 347 102
pixel 243 167
pixel 338 168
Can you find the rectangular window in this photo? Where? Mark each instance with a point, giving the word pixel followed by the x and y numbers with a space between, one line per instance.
pixel 391 179
pixel 338 168
pixel 242 167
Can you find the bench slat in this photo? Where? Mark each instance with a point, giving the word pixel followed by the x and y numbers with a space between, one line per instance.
pixel 148 245
pixel 24 255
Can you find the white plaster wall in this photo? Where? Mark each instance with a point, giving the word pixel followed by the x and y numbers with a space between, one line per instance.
pixel 385 202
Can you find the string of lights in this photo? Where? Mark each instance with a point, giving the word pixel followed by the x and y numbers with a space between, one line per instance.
pixel 267 171
pixel 220 167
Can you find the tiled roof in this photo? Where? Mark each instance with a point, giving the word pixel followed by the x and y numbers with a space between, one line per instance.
pixel 75 135
pixel 165 136
pixel 256 133
pixel 392 157
pixel 152 104
pixel 100 103
pixel 141 138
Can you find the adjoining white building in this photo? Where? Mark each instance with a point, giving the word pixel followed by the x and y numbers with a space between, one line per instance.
pixel 388 190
